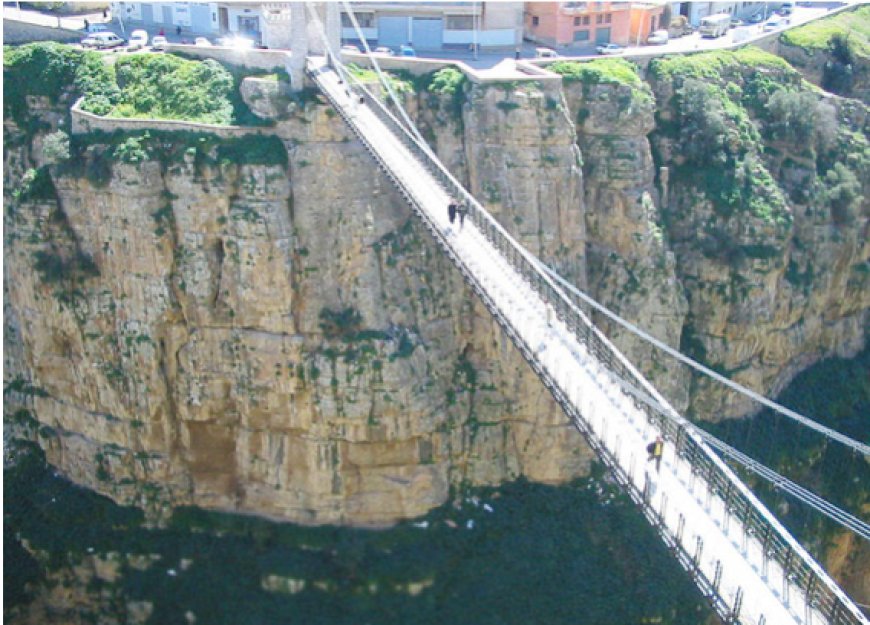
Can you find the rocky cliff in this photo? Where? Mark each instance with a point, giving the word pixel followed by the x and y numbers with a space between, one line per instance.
pixel 259 325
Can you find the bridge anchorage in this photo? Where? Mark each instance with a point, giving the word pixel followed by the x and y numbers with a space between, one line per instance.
pixel 744 561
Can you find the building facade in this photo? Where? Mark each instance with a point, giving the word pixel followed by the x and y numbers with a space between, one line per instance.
pixel 694 11
pixel 202 18
pixel 436 25
pixel 425 25
pixel 562 24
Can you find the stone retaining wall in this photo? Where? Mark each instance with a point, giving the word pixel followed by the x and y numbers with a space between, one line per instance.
pixel 15 32
pixel 84 122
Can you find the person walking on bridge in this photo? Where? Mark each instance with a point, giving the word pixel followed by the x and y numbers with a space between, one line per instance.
pixel 462 209
pixel 656 449
pixel 451 210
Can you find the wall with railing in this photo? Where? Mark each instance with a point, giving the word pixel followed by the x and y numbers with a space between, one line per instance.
pixel 84 122
pixel 799 571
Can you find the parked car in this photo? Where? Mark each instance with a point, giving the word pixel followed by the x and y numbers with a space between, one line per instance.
pixel 202 42
pixel 774 23
pixel 609 48
pixel 658 38
pixel 349 47
pixel 384 50
pixel 240 43
pixel 757 18
pixel 736 23
pixel 138 40
pixel 159 43
pixel 407 50
pixel 102 41
pixel 545 53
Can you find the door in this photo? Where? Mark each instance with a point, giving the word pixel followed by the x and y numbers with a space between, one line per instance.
pixel 147 13
pixel 167 16
pixel 602 35
pixel 200 18
pixel 224 17
pixel 392 31
pixel 426 33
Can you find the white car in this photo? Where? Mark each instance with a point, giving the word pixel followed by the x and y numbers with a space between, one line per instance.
pixel 350 48
pixel 102 41
pixel 774 23
pixel 138 40
pixel 658 38
pixel 240 43
pixel 202 42
pixel 159 43
pixel 609 48
pixel 545 53
pixel 384 50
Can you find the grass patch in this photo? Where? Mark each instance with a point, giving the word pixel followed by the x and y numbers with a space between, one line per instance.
pixel 599 71
pixel 853 26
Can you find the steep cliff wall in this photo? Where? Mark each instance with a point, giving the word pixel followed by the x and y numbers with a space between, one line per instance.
pixel 260 327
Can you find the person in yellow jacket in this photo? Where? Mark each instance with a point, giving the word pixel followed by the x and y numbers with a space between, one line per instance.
pixel 655 450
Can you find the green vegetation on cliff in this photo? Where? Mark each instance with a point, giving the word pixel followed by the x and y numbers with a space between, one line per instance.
pixel 158 86
pixel 852 27
pixel 54 70
pixel 167 87
pixel 599 71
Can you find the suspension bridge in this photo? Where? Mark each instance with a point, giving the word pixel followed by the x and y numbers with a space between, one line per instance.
pixel 745 562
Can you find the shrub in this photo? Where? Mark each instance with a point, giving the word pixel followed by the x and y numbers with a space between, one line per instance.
pixel 168 87
pixel 344 323
pixel 55 147
pixel 843 192
pixel 447 81
pixel 60 70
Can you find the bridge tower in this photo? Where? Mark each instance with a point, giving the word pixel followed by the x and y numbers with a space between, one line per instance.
pixel 306 38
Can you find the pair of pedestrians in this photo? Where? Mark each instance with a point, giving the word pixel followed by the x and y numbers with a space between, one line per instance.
pixel 454 208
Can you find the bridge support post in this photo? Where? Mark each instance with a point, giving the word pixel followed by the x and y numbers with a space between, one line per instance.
pixel 306 37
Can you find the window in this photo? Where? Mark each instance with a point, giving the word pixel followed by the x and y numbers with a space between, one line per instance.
pixel 586 20
pixel 576 21
pixel 599 19
pixel 607 18
pixel 365 20
pixel 581 35
pixel 535 20
pixel 460 22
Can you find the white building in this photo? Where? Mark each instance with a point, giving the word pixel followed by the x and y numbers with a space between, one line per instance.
pixel 437 25
pixel 694 11
pixel 425 25
pixel 202 18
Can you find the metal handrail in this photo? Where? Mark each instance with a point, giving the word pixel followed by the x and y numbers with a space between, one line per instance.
pixel 828 600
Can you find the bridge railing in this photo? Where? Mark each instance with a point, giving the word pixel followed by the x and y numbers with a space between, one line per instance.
pixel 797 567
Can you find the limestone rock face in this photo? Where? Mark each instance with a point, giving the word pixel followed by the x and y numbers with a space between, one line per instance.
pixel 631 268
pixel 524 167
pixel 280 340
pixel 273 333
pixel 267 99
pixel 777 279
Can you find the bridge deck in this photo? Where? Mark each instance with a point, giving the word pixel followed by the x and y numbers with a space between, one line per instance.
pixel 689 512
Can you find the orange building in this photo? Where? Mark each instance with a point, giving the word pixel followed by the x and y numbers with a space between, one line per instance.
pixel 645 19
pixel 560 24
